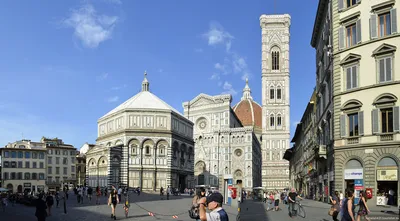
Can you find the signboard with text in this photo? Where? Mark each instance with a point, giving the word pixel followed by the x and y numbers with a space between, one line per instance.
pixel 353 174
pixel 386 175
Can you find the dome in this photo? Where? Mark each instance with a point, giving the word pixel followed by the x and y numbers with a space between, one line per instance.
pixel 144 100
pixel 247 110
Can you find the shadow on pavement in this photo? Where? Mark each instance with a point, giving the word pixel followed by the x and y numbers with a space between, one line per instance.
pixel 253 210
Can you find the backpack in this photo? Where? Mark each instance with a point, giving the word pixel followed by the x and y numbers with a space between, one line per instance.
pixel 194 212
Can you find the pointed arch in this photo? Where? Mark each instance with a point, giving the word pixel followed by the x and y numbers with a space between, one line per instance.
pixel 279 120
pixel 275 57
pixel 272 120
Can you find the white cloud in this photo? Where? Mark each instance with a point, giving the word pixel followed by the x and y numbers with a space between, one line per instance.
pixel 102 77
pixel 216 35
pixel 228 89
pixel 89 27
pixel 220 67
pixel 116 88
pixel 215 76
pixel 113 99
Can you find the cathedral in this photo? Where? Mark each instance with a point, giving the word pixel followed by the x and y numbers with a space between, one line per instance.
pixel 246 142
pixel 144 142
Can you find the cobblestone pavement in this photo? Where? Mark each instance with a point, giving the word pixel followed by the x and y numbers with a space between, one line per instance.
pixel 176 205
pixel 315 211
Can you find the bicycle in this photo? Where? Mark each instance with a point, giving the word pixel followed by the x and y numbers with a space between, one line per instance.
pixel 300 210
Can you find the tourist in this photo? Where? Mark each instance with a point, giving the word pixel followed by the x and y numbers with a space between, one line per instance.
pixel 49 202
pixel 41 207
pixel 292 201
pixel 57 199
pixel 119 193
pixel 89 193
pixel 335 205
pixel 348 207
pixel 113 201
pixel 162 193
pixel 195 202
pixel 363 209
pixel 276 198
pixel 214 203
pixel 98 194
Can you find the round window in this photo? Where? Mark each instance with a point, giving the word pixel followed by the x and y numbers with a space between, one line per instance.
pixel 238 152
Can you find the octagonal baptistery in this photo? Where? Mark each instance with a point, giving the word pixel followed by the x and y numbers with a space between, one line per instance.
pixel 249 112
pixel 144 142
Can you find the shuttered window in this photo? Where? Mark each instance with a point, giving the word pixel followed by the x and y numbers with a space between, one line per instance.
pixel 385 69
pixel 351 77
pixel 387 120
pixel 384 26
pixel 272 93
pixel 351 35
pixel 353 124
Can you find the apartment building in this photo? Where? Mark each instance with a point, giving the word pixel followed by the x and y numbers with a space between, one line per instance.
pixel 366 96
pixel 61 163
pixel 23 166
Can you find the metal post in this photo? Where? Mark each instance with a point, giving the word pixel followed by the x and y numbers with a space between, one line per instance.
pixel 65 204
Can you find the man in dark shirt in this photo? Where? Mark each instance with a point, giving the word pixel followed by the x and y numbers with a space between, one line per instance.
pixel 292 201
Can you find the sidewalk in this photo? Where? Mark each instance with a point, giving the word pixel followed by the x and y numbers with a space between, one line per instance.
pixel 376 211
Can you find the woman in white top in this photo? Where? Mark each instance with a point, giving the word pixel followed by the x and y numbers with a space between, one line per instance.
pixel 277 197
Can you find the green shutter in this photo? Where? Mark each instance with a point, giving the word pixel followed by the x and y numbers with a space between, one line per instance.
pixel 393 19
pixel 340 4
pixel 358 31
pixel 341 37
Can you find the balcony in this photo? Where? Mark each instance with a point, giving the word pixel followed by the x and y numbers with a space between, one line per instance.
pixel 353 140
pixel 322 151
pixel 386 137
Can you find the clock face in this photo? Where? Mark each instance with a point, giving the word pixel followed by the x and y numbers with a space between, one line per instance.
pixel 202 124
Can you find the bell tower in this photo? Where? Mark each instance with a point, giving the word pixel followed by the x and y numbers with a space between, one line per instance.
pixel 275 100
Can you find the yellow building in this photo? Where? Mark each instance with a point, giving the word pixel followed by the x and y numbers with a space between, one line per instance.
pixel 23 166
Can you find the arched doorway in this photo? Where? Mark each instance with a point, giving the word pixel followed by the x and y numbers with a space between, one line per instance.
pixel 10 187
pixel 354 178
pixel 19 189
pixel 387 181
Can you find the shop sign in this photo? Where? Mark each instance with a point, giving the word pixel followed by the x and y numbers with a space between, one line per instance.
pixel 358 184
pixel 320 179
pixel 27 185
pixel 386 175
pixel 325 176
pixel 353 174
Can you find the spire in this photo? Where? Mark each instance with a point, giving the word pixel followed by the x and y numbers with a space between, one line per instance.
pixel 247 91
pixel 145 82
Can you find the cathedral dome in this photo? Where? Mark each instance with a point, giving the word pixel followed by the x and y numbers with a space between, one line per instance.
pixel 247 110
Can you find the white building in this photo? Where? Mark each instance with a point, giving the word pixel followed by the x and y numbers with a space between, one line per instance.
pixel 143 142
pixel 275 100
pixel 226 139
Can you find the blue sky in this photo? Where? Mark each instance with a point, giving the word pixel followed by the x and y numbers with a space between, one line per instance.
pixel 64 64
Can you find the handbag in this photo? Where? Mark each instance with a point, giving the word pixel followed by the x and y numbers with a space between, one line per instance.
pixel 331 211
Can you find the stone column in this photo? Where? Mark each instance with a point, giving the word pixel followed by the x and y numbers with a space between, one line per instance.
pixel 124 166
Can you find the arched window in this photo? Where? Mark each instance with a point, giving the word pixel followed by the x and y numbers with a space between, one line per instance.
pixel 279 93
pixel 275 60
pixel 272 93
pixel 279 120
pixel 271 120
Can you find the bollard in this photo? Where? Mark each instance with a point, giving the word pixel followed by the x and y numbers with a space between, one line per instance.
pixel 65 204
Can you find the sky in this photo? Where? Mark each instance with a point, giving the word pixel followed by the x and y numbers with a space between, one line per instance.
pixel 64 64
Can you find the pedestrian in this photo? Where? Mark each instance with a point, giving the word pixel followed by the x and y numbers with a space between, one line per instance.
pixel 119 194
pixel 335 205
pixel 113 201
pixel 57 199
pixel 162 193
pixel 195 203
pixel 348 207
pixel 41 207
pixel 89 193
pixel 292 201
pixel 98 194
pixel 276 202
pixel 80 193
pixel 49 203
pixel 363 209
pixel 168 192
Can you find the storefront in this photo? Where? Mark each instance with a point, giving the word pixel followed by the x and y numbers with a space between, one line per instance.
pixel 353 178
pixel 387 181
